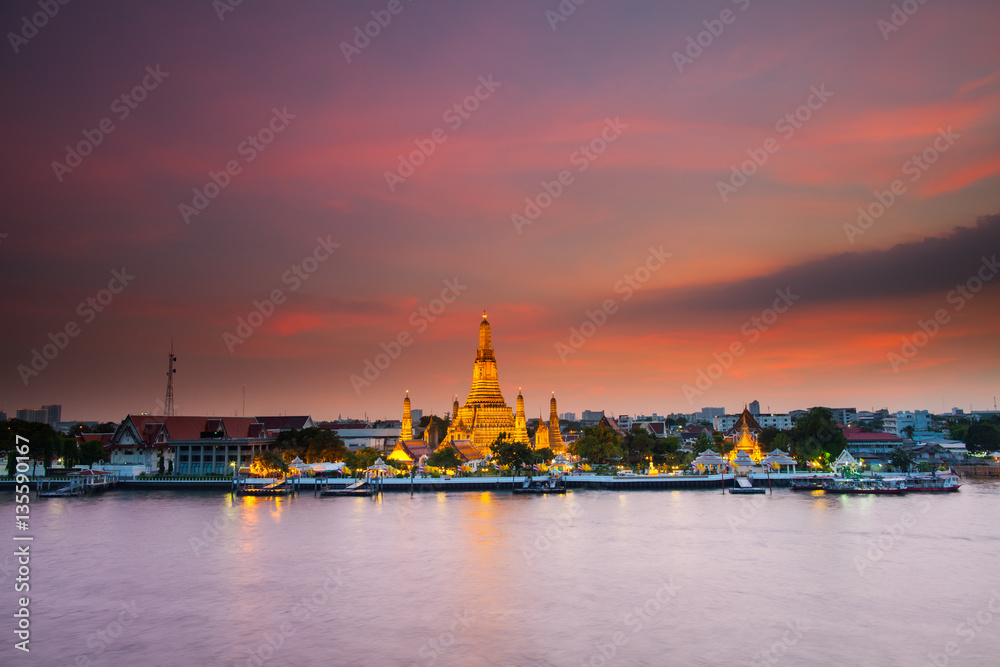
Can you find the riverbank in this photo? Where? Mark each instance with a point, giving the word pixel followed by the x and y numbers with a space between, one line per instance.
pixel 435 484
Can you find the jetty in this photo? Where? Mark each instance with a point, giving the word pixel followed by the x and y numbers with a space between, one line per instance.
pixel 77 484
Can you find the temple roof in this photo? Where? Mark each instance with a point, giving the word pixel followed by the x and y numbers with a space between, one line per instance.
pixel 746 419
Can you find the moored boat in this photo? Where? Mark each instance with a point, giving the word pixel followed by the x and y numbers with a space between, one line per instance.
pixel 932 483
pixel 858 485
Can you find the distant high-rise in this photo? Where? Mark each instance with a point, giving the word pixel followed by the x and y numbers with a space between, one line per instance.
pixel 568 416
pixel 710 413
pixel 754 408
pixel 33 415
pixel 591 417
pixel 416 415
pixel 54 414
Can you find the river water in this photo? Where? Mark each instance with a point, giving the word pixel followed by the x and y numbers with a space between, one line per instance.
pixel 589 578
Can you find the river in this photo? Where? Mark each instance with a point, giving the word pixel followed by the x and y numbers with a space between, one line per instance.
pixel 589 578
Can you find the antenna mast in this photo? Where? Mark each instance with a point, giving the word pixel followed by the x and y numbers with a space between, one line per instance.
pixel 168 403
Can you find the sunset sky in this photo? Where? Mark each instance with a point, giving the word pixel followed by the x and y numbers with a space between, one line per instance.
pixel 644 127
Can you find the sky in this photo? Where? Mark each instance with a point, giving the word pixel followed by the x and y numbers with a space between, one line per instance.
pixel 661 206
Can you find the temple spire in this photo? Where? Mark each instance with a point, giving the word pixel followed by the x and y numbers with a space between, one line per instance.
pixel 407 431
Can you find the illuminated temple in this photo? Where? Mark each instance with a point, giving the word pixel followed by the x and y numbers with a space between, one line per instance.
pixel 744 435
pixel 485 414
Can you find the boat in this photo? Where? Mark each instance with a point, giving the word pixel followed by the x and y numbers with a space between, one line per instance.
pixel 932 483
pixel 745 486
pixel 814 484
pixel 543 486
pixel 859 485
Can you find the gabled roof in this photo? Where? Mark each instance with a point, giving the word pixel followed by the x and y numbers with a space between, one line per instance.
pixel 150 428
pixel 286 422
pixel 466 450
pixel 102 438
pixel 611 423
pixel 414 449
pixel 746 419
pixel 657 429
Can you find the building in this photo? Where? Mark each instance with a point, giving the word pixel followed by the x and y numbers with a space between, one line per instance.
pixel 918 420
pixel 591 417
pixel 612 423
pixel 417 415
pixel 708 414
pixel 485 414
pixel 54 414
pixel 725 423
pixel 276 424
pixel 195 445
pixel 568 416
pixel 754 408
pixel 361 435
pixel 40 416
pixel 744 435
pixel 864 444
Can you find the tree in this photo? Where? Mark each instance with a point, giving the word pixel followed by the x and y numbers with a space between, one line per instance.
pixel 703 442
pixel 766 437
pixel 637 445
pixel 544 455
pixel 312 445
pixel 362 459
pixel 513 455
pixel 598 443
pixel 982 437
pixel 901 459
pixel 817 432
pixel 268 463
pixel 908 431
pixel 444 456
pixel 782 441
pixel 665 448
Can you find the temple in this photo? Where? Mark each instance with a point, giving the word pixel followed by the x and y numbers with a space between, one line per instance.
pixel 485 414
pixel 744 434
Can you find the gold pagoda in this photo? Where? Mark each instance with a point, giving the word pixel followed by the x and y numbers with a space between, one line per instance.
pixel 485 414
pixel 744 434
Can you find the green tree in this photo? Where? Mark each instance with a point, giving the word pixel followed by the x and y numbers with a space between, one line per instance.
pixel 91 452
pixel 665 448
pixel 598 443
pixel 782 441
pixel 444 456
pixel 637 446
pixel 766 437
pixel 703 442
pixel 312 445
pixel 513 455
pixel 437 425
pixel 901 459
pixel 268 463
pixel 908 431
pixel 362 459
pixel 816 432
pixel 544 455
pixel 982 437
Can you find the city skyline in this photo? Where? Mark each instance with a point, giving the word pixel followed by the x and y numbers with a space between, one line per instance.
pixel 787 193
